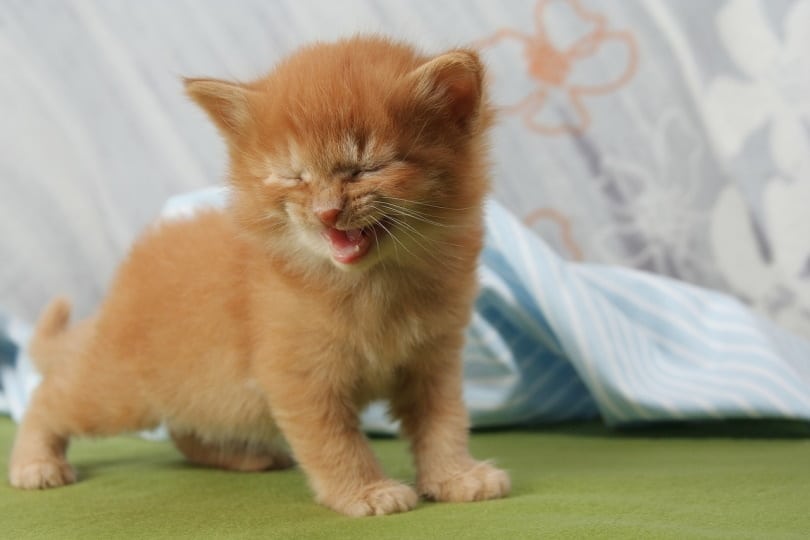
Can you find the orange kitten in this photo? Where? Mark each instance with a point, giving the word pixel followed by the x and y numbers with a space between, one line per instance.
pixel 342 271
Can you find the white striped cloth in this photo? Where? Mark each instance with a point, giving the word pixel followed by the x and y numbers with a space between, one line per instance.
pixel 553 340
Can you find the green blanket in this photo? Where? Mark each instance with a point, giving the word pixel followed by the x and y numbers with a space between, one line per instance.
pixel 569 482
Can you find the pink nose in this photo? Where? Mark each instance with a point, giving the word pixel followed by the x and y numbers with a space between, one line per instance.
pixel 328 216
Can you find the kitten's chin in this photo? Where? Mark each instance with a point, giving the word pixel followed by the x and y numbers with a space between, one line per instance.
pixel 355 267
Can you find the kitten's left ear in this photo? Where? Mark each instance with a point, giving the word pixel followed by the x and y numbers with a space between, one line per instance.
pixel 452 82
pixel 227 103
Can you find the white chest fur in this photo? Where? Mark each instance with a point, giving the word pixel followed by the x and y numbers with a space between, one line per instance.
pixel 390 335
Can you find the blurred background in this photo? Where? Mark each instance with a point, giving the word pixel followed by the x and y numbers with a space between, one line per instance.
pixel 668 136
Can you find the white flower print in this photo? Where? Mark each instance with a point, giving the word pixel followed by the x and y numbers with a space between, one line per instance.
pixel 774 279
pixel 656 223
pixel 775 90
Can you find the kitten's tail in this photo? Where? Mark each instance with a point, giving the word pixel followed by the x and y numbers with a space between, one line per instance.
pixel 48 343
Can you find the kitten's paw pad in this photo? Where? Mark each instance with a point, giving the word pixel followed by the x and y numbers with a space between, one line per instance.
pixel 381 498
pixel 42 474
pixel 480 482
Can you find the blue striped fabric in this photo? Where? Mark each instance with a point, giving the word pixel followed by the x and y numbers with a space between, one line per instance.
pixel 17 375
pixel 552 340
pixel 575 340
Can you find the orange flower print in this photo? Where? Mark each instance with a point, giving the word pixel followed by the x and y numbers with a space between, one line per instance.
pixel 561 72
pixel 563 226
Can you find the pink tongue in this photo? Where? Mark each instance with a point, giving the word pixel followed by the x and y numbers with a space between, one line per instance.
pixel 347 246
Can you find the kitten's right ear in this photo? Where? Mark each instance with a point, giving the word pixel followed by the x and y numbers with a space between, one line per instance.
pixel 227 103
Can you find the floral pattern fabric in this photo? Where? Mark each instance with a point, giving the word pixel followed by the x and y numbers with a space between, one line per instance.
pixel 672 137
pixel 694 140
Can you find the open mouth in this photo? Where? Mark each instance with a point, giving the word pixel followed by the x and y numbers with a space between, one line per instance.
pixel 350 245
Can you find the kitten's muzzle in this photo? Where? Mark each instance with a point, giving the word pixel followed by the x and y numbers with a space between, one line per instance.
pixel 328 216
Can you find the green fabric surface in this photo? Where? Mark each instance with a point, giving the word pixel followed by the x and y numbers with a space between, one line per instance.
pixel 581 481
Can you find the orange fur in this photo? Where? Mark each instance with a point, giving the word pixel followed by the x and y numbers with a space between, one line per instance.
pixel 235 327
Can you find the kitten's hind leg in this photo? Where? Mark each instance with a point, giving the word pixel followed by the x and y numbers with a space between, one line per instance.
pixel 61 408
pixel 231 455
pixel 38 459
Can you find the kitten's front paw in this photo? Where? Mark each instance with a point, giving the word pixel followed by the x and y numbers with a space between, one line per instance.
pixel 380 498
pixel 41 474
pixel 480 482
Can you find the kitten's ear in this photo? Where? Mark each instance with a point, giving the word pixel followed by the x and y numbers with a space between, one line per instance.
pixel 452 82
pixel 227 103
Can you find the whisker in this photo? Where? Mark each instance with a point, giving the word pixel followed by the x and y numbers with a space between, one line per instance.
pixel 377 243
pixel 404 208
pixel 390 211
pixel 433 254
pixel 432 205
pixel 419 216
pixel 395 239
pixel 420 234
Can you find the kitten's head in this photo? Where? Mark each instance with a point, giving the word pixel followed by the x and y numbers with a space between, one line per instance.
pixel 357 152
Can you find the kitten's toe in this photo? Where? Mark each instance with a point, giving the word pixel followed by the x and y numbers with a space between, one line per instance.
pixel 480 482
pixel 380 498
pixel 42 474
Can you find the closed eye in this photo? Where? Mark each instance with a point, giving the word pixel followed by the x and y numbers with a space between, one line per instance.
pixel 293 177
pixel 287 180
pixel 360 171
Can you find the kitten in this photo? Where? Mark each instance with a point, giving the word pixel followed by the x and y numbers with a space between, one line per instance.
pixel 343 270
